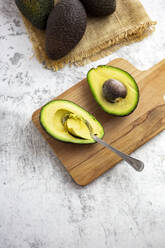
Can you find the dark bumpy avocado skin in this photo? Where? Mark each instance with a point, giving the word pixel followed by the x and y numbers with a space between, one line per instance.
pixel 65 28
pixel 99 7
pixel 36 11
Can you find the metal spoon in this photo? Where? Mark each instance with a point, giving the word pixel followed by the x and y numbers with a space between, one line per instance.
pixel 135 163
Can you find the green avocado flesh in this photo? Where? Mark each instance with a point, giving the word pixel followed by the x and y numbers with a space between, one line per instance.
pixel 65 121
pixel 77 127
pixel 124 106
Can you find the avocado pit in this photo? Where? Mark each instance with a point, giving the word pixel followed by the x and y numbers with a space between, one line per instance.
pixel 113 90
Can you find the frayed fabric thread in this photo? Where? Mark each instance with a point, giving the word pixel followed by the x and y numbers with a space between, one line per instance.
pixel 133 34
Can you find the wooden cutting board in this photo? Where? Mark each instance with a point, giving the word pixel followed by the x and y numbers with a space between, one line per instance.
pixel 87 162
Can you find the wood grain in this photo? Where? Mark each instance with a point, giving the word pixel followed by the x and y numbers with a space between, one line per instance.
pixel 87 162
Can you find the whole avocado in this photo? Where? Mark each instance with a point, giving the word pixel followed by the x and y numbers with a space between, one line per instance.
pixel 65 27
pixel 36 11
pixel 99 7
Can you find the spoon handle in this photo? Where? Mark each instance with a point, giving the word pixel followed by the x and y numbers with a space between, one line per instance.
pixel 135 163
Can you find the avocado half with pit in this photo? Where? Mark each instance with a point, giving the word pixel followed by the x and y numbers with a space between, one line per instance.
pixel 67 122
pixel 114 89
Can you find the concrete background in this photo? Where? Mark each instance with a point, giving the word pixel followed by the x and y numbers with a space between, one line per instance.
pixel 40 205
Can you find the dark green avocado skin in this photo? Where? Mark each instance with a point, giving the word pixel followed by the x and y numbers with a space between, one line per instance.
pixel 99 7
pixel 65 27
pixel 36 11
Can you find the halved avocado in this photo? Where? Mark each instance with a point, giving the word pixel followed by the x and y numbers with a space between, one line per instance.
pixel 65 121
pixel 117 84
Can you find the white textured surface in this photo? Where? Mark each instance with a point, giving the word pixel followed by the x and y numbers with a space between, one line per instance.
pixel 40 206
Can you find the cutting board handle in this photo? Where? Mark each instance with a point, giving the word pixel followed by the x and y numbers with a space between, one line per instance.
pixel 155 67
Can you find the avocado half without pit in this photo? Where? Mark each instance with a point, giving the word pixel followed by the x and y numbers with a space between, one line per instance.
pixel 114 89
pixel 66 121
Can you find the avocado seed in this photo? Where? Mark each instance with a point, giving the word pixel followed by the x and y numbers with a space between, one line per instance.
pixel 113 90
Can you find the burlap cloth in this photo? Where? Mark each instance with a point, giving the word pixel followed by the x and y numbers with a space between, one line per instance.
pixel 129 23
